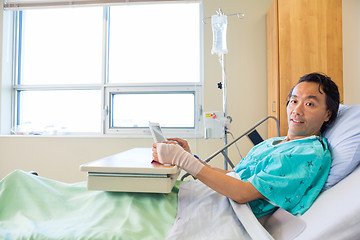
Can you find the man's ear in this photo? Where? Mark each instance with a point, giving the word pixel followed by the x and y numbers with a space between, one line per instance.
pixel 328 116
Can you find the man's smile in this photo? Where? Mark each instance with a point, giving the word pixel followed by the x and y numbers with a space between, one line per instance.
pixel 296 121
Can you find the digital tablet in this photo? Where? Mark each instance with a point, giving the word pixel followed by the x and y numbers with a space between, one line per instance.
pixel 156 132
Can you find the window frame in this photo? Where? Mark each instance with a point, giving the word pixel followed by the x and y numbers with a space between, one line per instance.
pixel 194 132
pixel 11 86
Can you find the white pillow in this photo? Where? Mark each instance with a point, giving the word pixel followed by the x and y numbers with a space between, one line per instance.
pixel 344 140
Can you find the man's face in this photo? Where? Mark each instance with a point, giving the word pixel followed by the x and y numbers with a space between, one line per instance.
pixel 307 110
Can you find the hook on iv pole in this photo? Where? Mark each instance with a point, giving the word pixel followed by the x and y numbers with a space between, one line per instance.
pixel 220 13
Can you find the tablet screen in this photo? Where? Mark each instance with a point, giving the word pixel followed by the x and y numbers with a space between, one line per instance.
pixel 156 132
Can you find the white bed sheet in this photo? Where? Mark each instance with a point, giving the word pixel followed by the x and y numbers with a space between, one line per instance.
pixel 334 215
pixel 336 212
pixel 205 214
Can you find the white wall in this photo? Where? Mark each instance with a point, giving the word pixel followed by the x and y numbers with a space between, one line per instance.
pixel 59 157
pixel 351 51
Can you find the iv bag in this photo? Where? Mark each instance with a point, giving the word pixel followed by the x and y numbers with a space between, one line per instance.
pixel 219 27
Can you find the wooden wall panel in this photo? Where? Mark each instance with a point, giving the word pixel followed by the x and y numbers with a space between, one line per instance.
pixel 309 40
pixel 272 66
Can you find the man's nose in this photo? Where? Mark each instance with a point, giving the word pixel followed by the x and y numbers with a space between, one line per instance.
pixel 298 109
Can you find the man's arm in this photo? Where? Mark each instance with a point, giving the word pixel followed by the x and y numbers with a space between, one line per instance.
pixel 184 144
pixel 235 189
pixel 215 178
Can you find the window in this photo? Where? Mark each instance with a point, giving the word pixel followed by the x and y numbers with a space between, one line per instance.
pixel 105 69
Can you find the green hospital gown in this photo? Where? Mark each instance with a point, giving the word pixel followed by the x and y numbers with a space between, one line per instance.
pixel 290 174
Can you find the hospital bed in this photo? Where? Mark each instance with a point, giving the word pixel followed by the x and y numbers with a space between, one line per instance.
pixel 33 207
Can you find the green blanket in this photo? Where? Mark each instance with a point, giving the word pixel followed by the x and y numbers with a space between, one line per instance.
pixel 33 207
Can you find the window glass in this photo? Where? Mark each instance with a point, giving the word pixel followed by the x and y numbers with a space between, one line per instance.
pixel 61 46
pixel 60 111
pixel 154 43
pixel 139 62
pixel 170 110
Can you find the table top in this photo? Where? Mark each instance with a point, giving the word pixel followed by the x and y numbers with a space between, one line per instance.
pixel 134 161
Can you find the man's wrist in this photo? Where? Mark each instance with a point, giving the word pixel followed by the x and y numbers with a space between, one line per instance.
pixel 201 161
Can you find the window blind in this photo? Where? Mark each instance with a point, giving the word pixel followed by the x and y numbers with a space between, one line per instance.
pixel 26 4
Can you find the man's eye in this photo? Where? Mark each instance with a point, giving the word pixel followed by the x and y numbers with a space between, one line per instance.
pixel 310 104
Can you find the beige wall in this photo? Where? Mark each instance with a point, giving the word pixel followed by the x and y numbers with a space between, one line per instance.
pixel 59 157
pixel 351 51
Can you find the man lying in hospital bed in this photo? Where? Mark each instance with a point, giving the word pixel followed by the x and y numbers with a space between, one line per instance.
pixel 288 171
pixel 45 209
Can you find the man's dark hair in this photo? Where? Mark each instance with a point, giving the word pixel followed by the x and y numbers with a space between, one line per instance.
pixel 330 89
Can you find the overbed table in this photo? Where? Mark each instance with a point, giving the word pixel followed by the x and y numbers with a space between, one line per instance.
pixel 130 171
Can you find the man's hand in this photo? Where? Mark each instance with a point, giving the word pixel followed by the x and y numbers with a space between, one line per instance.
pixel 170 153
pixel 182 142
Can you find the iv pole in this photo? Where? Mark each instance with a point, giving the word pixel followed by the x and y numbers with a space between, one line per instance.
pixel 222 85
pixel 224 92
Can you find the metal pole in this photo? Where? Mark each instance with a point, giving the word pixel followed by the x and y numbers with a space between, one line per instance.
pixel 224 89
